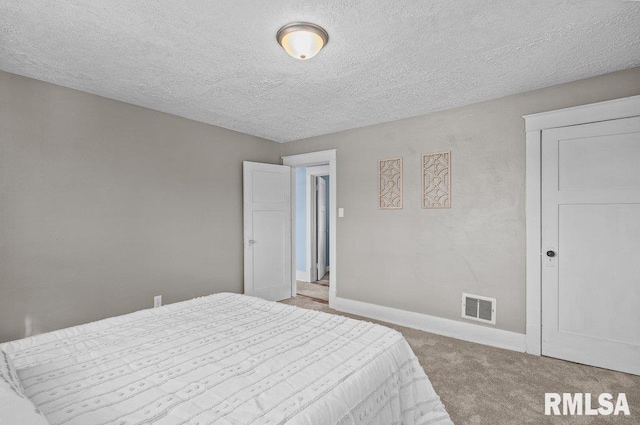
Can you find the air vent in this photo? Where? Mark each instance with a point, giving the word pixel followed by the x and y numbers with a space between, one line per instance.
pixel 477 307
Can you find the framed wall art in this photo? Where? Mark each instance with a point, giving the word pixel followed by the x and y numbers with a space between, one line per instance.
pixel 390 184
pixel 436 180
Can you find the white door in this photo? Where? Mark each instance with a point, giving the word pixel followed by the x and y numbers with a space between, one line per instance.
pixel 591 244
pixel 267 230
pixel 321 226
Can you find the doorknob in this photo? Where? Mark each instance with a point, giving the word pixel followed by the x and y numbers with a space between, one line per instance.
pixel 551 254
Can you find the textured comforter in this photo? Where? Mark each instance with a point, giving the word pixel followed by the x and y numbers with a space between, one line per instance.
pixel 226 359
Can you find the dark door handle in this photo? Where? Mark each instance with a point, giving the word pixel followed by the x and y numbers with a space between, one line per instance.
pixel 551 254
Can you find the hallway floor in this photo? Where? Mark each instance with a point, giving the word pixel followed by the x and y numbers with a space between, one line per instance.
pixel 317 291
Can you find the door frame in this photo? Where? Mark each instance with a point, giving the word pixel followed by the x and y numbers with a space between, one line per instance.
pixel 535 124
pixel 312 256
pixel 309 160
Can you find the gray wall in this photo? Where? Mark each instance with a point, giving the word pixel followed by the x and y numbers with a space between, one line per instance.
pixel 104 205
pixel 422 260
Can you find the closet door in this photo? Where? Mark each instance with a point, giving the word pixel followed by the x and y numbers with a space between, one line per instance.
pixel 591 244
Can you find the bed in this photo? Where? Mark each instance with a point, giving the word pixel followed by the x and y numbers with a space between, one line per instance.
pixel 225 359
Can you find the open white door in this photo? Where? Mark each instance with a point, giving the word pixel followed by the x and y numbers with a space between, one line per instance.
pixel 267 230
pixel 591 244
pixel 321 226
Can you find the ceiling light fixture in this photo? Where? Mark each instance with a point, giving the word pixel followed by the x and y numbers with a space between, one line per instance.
pixel 302 40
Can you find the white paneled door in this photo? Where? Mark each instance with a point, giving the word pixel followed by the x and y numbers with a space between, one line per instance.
pixel 267 231
pixel 322 226
pixel 591 244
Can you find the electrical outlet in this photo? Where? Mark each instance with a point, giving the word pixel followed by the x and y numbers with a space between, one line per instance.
pixel 157 301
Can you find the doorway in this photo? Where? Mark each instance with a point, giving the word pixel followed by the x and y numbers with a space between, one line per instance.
pixel 302 270
pixel 313 225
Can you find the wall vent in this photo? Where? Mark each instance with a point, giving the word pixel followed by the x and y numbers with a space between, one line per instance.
pixel 477 307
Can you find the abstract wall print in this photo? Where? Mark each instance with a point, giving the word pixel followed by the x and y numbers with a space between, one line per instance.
pixel 390 184
pixel 436 180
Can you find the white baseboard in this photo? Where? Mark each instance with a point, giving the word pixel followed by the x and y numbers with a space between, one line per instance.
pixel 437 325
pixel 303 276
pixel 534 345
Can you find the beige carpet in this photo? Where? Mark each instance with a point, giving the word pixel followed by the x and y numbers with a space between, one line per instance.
pixel 486 385
pixel 313 290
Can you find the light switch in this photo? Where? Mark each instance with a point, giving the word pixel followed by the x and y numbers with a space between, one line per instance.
pixel 340 212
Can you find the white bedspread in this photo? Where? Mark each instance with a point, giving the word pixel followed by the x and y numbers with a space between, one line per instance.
pixel 226 359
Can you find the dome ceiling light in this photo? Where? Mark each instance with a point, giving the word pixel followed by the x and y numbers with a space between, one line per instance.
pixel 302 40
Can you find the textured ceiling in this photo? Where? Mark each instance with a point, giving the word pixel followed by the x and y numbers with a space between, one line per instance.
pixel 217 61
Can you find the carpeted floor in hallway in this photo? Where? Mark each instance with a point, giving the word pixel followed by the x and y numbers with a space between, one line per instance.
pixel 479 384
